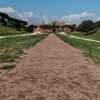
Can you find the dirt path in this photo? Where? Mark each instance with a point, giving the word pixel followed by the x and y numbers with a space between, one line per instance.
pixel 52 70
pixel 21 35
pixel 77 37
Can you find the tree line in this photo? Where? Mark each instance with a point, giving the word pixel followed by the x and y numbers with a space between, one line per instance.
pixel 88 27
pixel 18 24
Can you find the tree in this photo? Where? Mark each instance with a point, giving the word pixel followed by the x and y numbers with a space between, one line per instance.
pixel 12 22
pixel 46 26
pixel 3 18
pixel 3 21
pixel 30 28
pixel 54 27
pixel 18 24
pixel 97 24
pixel 87 26
pixel 4 15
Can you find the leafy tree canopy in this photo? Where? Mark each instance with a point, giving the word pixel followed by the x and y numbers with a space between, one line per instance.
pixel 97 24
pixel 86 26
pixel 4 15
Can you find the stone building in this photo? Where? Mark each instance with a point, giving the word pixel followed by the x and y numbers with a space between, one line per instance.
pixel 53 27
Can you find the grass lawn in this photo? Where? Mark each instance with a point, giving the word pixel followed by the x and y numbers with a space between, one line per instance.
pixel 95 36
pixel 91 49
pixel 5 31
pixel 12 48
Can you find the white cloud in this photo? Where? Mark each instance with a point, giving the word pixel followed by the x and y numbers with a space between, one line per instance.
pixel 11 11
pixel 69 19
pixel 7 10
pixel 25 16
pixel 45 18
pixel 98 18
pixel 78 18
pixel 54 18
pixel 35 18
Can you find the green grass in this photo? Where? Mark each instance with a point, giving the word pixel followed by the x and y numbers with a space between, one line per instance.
pixel 5 31
pixel 95 36
pixel 7 67
pixel 12 48
pixel 91 49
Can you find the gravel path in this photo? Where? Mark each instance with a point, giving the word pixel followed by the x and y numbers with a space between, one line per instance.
pixel 20 35
pixel 77 37
pixel 52 70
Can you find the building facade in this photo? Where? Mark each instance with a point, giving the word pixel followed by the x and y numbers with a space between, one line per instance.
pixel 53 27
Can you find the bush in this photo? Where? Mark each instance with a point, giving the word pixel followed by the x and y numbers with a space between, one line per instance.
pixel 87 26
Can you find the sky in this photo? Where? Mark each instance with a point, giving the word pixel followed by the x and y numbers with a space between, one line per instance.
pixel 38 11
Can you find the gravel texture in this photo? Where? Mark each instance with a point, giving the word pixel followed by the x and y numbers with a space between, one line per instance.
pixel 52 70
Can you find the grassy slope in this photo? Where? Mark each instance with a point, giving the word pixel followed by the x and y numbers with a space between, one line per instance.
pixel 12 48
pixel 91 49
pixel 5 31
pixel 95 36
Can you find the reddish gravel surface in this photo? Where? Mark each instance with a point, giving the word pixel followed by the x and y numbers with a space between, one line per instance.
pixel 52 70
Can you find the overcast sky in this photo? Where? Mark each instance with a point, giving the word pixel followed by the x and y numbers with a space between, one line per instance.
pixel 37 11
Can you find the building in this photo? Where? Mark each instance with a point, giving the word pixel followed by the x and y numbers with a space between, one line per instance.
pixel 53 27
